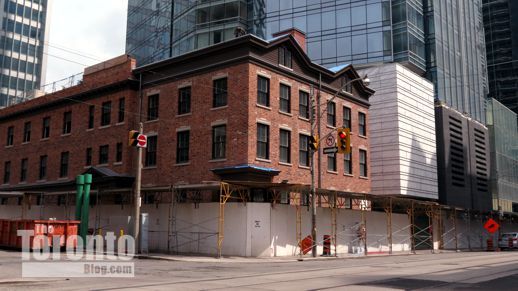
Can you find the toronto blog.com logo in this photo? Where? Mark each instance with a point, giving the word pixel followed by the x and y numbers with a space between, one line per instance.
pixel 97 256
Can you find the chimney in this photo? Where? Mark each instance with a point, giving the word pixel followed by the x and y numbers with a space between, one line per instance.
pixel 299 36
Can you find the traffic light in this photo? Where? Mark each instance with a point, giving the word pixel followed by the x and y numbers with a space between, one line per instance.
pixel 133 135
pixel 313 142
pixel 343 140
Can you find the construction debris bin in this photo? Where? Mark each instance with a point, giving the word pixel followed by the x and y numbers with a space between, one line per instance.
pixel 45 228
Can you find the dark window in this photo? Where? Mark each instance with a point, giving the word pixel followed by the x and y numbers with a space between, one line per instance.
pixel 106 113
pixel 45 131
pixel 43 167
pixel 304 150
pixel 263 141
pixel 27 132
pixel 220 92
pixel 331 114
pixel 285 100
pixel 91 114
pixel 347 118
pixel 88 157
pixel 347 85
pixel 362 128
pixel 63 168
pixel 219 140
pixel 10 136
pixel 122 110
pixel 363 163
pixel 304 104
pixel 285 57
pixel 151 150
pixel 263 91
pixel 331 162
pixel 67 122
pixel 152 107
pixel 348 163
pixel 285 146
pixel 7 172
pixel 184 100
pixel 23 170
pixel 118 153
pixel 182 148
pixel 104 151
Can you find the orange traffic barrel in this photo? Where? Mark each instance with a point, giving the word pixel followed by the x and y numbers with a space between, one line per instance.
pixel 489 244
pixel 327 245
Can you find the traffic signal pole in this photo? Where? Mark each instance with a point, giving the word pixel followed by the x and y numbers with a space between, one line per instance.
pixel 137 199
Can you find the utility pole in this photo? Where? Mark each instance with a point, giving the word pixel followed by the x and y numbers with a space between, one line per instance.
pixel 137 199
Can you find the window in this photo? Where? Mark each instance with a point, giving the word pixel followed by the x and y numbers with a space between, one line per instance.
pixel 88 157
pixel 347 118
pixel 220 92
pixel 151 151
pixel 285 146
pixel 63 168
pixel 331 114
pixel 122 110
pixel 43 167
pixel 106 113
pixel 263 134
pixel 304 150
pixel 219 136
pixel 67 122
pixel 304 104
pixel 104 151
pixel 362 129
pixel 348 164
pixel 182 148
pixel 10 136
pixel 7 172
pixel 23 170
pixel 45 131
pixel 152 107
pixel 363 163
pixel 118 153
pixel 285 57
pixel 27 132
pixel 91 113
pixel 331 162
pixel 263 91
pixel 285 105
pixel 184 100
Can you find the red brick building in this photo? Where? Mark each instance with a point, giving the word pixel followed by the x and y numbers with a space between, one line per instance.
pixel 237 110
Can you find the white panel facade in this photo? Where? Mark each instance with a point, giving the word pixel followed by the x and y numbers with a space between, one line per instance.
pixel 402 132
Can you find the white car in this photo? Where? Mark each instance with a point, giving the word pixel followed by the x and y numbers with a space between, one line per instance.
pixel 508 240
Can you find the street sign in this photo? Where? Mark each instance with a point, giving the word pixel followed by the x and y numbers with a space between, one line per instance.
pixel 491 226
pixel 330 141
pixel 330 150
pixel 141 141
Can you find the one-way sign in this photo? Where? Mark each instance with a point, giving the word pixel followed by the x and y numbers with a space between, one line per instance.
pixel 330 150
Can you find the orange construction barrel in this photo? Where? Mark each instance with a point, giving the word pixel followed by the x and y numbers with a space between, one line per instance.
pixel 327 245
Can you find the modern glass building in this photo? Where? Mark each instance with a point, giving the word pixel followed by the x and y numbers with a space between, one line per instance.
pixel 22 58
pixel 442 40
pixel 501 27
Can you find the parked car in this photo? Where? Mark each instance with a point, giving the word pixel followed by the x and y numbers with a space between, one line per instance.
pixel 508 240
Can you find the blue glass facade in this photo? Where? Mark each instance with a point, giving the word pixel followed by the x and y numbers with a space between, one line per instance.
pixel 440 39
pixel 22 58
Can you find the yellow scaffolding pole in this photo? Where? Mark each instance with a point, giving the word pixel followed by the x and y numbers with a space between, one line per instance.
pixel 333 205
pixel 388 211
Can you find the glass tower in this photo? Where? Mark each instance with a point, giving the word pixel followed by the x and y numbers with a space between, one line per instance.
pixel 22 57
pixel 440 39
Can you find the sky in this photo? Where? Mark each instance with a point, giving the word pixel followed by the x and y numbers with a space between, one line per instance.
pixel 84 33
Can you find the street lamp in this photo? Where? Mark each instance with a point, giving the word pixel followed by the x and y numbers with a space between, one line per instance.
pixel 366 81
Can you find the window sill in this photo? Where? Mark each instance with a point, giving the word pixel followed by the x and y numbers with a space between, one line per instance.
pixel 26 142
pixel 364 178
pixel 304 118
pixel 217 160
pixel 349 175
pixel 184 114
pixel 22 183
pixel 286 164
pixel 41 181
pixel 263 160
pixel 286 113
pixel 87 167
pixel 66 134
pixel 151 121
pixel 219 107
pixel 119 123
pixel 44 139
pixel 304 167
pixel 331 126
pixel 103 165
pixel 149 168
pixel 182 164
pixel 287 68
pixel 263 106
pixel 104 126
pixel 117 163
pixel 63 178
pixel 362 136
pixel 332 172
pixel 90 129
pixel 9 146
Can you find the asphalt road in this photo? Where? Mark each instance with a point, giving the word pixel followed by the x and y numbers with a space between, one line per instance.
pixel 445 271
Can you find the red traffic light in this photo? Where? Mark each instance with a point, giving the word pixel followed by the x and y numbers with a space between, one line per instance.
pixel 342 135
